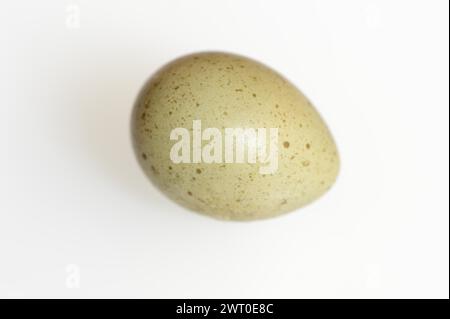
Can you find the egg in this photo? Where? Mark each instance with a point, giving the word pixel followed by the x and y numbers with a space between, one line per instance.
pixel 228 137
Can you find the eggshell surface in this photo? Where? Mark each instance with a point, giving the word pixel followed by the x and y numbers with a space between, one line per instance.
pixel 223 90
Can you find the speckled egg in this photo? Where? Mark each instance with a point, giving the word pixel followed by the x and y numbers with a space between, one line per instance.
pixel 228 137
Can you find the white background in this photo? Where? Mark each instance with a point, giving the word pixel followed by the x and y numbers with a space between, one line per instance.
pixel 78 218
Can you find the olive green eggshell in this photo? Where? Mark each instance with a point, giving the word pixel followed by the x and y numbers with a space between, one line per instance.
pixel 230 91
